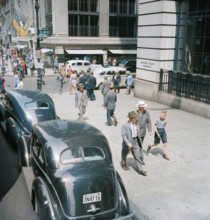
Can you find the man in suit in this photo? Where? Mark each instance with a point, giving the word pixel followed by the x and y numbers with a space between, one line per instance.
pixel 132 141
pixel 82 78
pixel 116 81
pixel 144 120
pixel 81 101
pixel 91 86
pixel 105 87
pixel 109 103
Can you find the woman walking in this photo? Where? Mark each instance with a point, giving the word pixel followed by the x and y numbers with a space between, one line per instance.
pixel 128 83
pixel 73 82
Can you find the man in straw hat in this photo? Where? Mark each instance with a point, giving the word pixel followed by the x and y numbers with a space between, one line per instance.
pixel 81 101
pixel 144 120
pixel 132 141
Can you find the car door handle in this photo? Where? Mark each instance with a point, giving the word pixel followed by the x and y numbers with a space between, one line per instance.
pixel 13 126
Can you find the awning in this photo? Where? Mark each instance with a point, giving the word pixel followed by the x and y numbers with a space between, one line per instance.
pixel 19 46
pixel 123 51
pixel 45 50
pixel 86 52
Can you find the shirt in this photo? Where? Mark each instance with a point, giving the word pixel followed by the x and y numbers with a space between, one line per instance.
pixel 20 85
pixel 161 123
pixel 134 130
pixel 16 80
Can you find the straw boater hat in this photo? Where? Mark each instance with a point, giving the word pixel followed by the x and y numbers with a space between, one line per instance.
pixel 132 114
pixel 141 104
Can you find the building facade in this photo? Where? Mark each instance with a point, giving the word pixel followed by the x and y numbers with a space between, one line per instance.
pixel 173 35
pixel 83 28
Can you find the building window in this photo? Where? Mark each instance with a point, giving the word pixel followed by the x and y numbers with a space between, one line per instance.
pixel 73 5
pixel 84 22
pixel 196 51
pixel 83 25
pixel 123 18
pixel 83 5
pixel 122 27
pixel 123 6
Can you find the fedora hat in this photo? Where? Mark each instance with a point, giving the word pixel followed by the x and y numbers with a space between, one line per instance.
pixel 141 104
pixel 132 114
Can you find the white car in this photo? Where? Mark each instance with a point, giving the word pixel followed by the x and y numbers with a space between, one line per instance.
pixel 109 72
pixel 78 65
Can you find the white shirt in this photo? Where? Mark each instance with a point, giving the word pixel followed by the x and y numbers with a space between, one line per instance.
pixel 20 85
pixel 134 130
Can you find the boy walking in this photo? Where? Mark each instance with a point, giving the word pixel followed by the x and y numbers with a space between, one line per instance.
pixel 160 133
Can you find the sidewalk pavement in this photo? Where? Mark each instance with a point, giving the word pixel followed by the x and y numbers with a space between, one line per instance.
pixel 176 189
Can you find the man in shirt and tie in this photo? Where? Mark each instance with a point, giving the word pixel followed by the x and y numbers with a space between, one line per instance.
pixel 132 141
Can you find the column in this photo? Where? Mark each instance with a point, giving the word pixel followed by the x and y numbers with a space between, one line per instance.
pixel 60 18
pixel 157 32
pixel 103 18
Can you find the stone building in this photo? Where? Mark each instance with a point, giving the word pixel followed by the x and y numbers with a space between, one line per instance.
pixel 82 28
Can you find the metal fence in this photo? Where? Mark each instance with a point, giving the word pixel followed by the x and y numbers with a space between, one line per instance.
pixel 189 85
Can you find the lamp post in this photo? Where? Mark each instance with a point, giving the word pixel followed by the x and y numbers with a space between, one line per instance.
pixel 1 41
pixel 37 23
pixel 38 53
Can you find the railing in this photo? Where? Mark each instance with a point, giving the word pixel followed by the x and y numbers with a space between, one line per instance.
pixel 189 85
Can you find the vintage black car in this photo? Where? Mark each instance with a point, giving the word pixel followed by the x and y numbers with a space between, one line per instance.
pixel 23 109
pixel 75 176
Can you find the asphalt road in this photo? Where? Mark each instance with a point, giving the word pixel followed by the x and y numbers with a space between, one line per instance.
pixel 14 198
pixel 51 86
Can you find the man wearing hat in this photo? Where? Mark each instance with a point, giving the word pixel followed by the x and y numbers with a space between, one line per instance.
pixel 144 120
pixel 132 141
pixel 105 87
pixel 110 103
pixel 81 101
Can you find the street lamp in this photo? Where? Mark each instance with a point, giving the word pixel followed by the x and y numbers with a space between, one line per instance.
pixel 38 54
pixel 37 23
pixel 1 41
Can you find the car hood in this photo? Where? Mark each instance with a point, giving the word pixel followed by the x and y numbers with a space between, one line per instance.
pixel 79 182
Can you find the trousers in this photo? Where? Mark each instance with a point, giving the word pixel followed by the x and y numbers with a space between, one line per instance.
pixel 137 154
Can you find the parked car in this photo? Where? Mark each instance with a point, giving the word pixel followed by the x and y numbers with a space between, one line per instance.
pixel 75 176
pixel 78 65
pixel 109 72
pixel 129 64
pixel 23 109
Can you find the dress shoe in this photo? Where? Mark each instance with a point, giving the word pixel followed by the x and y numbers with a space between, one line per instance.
pixel 166 157
pixel 142 172
pixel 148 149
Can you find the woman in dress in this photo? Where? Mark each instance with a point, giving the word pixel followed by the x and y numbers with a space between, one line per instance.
pixel 73 82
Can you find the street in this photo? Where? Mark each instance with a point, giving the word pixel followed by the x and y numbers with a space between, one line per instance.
pixel 175 189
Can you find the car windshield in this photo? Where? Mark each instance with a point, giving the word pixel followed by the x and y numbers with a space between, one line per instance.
pixel 81 154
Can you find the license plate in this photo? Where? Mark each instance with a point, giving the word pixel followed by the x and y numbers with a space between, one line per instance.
pixel 89 198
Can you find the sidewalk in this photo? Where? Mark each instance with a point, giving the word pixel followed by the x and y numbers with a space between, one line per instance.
pixel 175 189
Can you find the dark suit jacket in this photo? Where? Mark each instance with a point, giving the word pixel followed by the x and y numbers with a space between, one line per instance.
pixel 117 80
pixel 92 82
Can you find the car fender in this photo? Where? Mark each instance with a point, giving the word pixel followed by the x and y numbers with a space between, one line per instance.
pixel 24 151
pixel 41 192
pixel 123 203
pixel 2 112
pixel 13 130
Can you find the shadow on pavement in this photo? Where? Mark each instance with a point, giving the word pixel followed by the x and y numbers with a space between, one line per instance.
pixel 9 167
